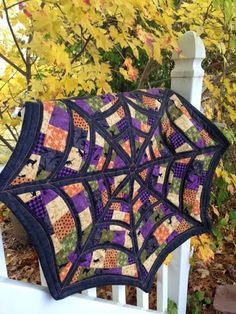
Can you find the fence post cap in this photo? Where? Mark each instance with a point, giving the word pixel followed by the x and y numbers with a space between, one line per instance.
pixel 191 46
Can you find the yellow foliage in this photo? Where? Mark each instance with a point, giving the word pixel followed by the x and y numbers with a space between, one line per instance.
pixel 202 247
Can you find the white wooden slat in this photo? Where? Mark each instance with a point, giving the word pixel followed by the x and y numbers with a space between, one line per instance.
pixel 178 276
pixel 142 299
pixel 42 278
pixel 3 267
pixel 162 288
pixel 92 292
pixel 119 294
pixel 186 79
pixel 29 298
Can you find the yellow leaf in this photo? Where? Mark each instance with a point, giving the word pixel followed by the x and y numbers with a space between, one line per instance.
pixel 215 210
pixel 168 259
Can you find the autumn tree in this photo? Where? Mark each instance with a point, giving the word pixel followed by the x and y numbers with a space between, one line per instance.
pixel 60 48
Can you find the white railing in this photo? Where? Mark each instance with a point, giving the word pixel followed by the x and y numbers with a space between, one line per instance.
pixel 172 281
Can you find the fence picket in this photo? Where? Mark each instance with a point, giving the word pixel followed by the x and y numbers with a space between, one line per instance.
pixel 142 299
pixel 119 294
pixel 162 288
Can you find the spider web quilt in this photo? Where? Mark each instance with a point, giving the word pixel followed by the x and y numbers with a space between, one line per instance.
pixel 107 186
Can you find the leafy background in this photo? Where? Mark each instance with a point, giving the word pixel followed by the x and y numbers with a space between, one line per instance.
pixel 59 48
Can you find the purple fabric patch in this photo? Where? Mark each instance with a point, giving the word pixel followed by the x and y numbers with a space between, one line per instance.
pixel 37 206
pixel 200 143
pixel 118 163
pixel 60 118
pixel 146 228
pixel 122 125
pixel 165 209
pixel 136 124
pixel 39 145
pixel 176 140
pixel 64 172
pixel 156 170
pixel 73 257
pixel 109 215
pixel 96 155
pixel 154 91
pixel 80 201
pixel 171 236
pixel 124 208
pixel 116 271
pixel 151 120
pixel 193 182
pixel 107 98
pixel 196 124
pixel 158 187
pixel 84 105
pixel 86 150
pixel 48 196
pixel 144 196
pixel 119 237
pixel 203 177
pixel 179 169
pixel 130 260
pixel 85 260
pixel 101 185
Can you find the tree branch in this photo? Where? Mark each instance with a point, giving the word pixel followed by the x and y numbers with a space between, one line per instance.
pixel 12 32
pixel 82 50
pixel 6 143
pixel 13 64
pixel 12 133
pixel 146 72
pixel 14 4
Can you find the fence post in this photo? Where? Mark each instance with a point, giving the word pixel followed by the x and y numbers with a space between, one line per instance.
pixel 186 79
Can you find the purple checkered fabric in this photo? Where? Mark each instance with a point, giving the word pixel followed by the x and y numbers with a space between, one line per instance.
pixel 176 140
pixel 179 170
pixel 66 172
pixel 39 145
pixel 37 206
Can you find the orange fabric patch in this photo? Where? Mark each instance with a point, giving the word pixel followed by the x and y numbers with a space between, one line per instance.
pixel 126 147
pixel 19 180
pixel 149 102
pixel 196 208
pixel 189 196
pixel 137 205
pixel 110 259
pixel 145 127
pixel 101 162
pixel 161 233
pixel 184 161
pixel 49 106
pixel 143 174
pixel 205 136
pixel 64 271
pixel 116 206
pixel 104 198
pixel 121 112
pixel 73 189
pixel 183 226
pixel 76 275
pixel 79 121
pixel 64 226
pixel 55 138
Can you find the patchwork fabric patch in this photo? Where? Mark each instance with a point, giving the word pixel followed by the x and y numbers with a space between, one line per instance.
pixel 108 186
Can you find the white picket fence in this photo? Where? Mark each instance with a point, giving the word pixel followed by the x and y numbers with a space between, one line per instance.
pixel 18 297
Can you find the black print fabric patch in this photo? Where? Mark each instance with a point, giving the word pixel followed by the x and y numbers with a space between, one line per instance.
pixel 107 186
